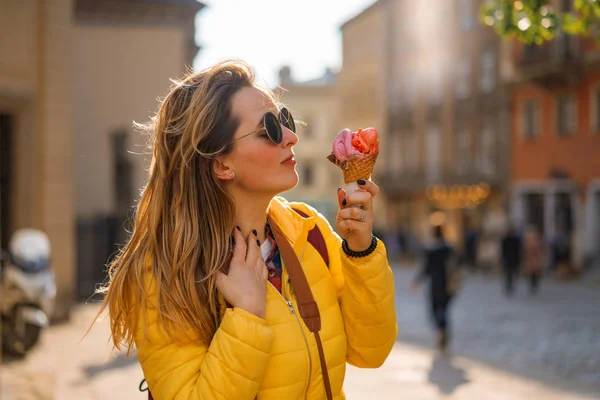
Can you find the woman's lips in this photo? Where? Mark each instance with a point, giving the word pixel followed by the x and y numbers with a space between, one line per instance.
pixel 289 161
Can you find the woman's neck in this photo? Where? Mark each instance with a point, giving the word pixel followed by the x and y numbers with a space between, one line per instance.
pixel 251 213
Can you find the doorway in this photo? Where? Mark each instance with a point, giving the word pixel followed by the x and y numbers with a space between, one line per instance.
pixel 534 209
pixel 6 146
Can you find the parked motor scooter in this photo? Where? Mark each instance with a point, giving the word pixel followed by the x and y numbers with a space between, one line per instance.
pixel 28 290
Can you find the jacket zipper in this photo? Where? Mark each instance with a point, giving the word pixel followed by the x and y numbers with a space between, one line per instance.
pixel 293 312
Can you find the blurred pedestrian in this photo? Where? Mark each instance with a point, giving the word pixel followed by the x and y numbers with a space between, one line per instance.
pixel 533 258
pixel 439 270
pixel 402 241
pixel 511 259
pixel 470 238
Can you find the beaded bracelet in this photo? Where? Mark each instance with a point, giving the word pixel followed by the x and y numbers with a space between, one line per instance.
pixel 358 254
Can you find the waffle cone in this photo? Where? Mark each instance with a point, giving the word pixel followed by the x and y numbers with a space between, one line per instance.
pixel 355 169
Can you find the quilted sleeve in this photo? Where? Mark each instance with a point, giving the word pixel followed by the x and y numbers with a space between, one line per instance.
pixel 230 367
pixel 366 292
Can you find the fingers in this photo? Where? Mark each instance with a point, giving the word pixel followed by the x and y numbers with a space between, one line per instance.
pixel 358 198
pixel 341 195
pixel 354 213
pixel 369 186
pixel 363 197
pixel 351 225
pixel 239 251
pixel 253 249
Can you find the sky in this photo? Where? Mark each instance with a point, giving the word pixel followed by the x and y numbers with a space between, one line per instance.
pixel 271 33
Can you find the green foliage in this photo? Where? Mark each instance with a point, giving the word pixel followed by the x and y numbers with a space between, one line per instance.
pixel 536 21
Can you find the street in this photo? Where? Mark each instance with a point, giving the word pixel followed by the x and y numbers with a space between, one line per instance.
pixel 542 347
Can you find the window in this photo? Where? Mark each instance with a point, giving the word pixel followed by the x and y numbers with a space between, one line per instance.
pixel 488 72
pixel 6 183
pixel 410 87
pixel 466 14
pixel 531 51
pixel 395 93
pixel 410 152
pixel 436 83
pixel 463 151
pixel 595 108
pixel 433 153
pixel 396 153
pixel 486 151
pixel 566 114
pixel 530 119
pixel 307 175
pixel 462 86
pixel 123 173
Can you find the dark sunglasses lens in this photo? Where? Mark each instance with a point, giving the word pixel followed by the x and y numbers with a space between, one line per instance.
pixel 286 119
pixel 273 128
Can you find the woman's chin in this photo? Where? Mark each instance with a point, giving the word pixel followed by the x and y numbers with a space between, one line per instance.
pixel 289 183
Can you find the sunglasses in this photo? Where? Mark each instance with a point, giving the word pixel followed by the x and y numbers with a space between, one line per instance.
pixel 272 124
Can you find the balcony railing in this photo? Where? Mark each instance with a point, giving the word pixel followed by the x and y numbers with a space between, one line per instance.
pixel 556 62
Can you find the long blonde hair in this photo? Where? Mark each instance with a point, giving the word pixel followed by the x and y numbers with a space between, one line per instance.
pixel 185 216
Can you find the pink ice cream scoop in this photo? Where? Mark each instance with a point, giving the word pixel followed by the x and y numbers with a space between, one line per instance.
pixel 342 146
pixel 355 153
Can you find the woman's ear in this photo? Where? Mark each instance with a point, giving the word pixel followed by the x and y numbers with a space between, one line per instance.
pixel 222 171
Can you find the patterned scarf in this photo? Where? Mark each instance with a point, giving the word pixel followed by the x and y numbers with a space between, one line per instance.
pixel 273 261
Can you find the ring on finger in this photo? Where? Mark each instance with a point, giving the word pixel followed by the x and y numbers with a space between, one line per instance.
pixel 362 216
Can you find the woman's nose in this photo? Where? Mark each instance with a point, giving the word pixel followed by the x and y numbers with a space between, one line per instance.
pixel 289 137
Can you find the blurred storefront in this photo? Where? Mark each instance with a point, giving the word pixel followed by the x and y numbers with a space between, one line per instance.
pixel 74 75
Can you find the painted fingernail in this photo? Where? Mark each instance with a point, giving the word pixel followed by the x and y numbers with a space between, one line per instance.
pixel 344 202
pixel 361 182
pixel 254 232
pixel 258 242
pixel 238 228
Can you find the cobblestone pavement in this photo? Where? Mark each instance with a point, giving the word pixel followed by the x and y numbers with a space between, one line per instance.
pixel 552 336
pixel 520 348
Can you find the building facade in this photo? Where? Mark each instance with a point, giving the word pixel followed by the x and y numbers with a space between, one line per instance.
pixel 555 168
pixel 37 181
pixel 74 75
pixel 124 54
pixel 448 122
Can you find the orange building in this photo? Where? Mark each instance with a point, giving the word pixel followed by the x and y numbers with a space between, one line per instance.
pixel 555 166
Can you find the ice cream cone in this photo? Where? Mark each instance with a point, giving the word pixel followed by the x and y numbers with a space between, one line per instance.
pixel 360 168
pixel 355 154
pixel 355 169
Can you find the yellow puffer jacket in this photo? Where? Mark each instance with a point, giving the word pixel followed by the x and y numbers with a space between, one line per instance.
pixel 277 358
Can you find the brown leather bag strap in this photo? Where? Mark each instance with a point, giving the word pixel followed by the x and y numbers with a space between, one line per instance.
pixel 315 237
pixel 306 303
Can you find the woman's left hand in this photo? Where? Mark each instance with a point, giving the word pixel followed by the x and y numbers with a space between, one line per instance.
pixel 353 223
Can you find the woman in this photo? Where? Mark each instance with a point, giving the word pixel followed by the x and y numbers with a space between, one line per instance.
pixel 222 151
pixel 437 269
pixel 533 258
